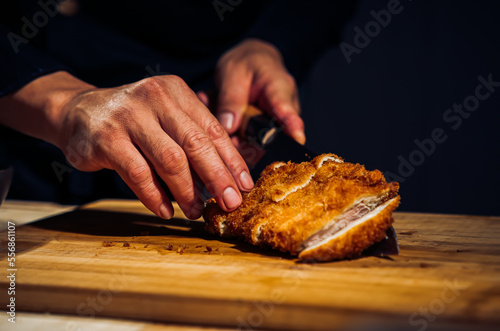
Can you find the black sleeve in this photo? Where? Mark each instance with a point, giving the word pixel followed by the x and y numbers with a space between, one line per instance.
pixel 302 30
pixel 22 58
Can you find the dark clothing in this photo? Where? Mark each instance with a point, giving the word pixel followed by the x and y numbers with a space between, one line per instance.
pixel 110 43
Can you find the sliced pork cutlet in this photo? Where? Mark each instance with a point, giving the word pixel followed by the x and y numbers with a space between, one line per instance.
pixel 320 210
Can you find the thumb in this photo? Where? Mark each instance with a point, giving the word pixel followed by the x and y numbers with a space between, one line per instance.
pixel 233 98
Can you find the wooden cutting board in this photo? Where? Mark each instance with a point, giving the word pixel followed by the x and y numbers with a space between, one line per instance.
pixel 114 258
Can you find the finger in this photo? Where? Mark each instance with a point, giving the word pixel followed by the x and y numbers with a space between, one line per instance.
pixel 171 164
pixel 228 153
pixel 209 99
pixel 236 140
pixel 234 88
pixel 281 97
pixel 203 156
pixel 203 96
pixel 223 144
pixel 135 171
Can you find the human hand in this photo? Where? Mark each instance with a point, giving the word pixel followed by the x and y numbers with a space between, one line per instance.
pixel 253 73
pixel 156 124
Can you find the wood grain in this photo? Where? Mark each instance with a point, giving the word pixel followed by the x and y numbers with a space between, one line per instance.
pixel 115 259
pixel 24 212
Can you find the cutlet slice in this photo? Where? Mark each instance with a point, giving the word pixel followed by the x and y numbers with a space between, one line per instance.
pixel 319 210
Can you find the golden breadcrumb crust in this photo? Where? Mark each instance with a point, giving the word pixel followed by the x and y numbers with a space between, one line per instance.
pixel 292 202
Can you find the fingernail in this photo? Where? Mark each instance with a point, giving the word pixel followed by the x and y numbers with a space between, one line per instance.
pixel 226 119
pixel 246 180
pixel 231 198
pixel 300 137
pixel 164 211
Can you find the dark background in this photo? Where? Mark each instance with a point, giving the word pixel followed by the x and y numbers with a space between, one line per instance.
pixel 397 89
pixel 368 111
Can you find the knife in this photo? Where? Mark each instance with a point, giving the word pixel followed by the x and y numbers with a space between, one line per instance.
pixel 268 143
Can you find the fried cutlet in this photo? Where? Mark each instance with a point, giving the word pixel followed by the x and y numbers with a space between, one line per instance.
pixel 321 210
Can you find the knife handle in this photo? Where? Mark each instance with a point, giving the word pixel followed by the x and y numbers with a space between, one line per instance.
pixel 257 127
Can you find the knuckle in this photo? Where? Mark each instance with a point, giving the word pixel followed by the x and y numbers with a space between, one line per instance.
pixel 281 106
pixel 152 84
pixel 289 79
pixel 138 174
pixel 176 80
pixel 148 193
pixel 226 60
pixel 121 116
pixel 235 168
pixel 293 120
pixel 236 164
pixel 215 130
pixel 173 161
pixel 148 87
pixel 196 142
pixel 220 179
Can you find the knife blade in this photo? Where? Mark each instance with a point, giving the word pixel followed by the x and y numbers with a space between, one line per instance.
pixel 272 144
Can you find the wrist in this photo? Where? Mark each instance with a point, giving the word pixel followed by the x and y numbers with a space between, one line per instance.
pixel 65 88
pixel 37 109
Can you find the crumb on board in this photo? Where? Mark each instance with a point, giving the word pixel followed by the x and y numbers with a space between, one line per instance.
pixel 199 246
pixel 146 246
pixel 209 249
pixel 180 250
pixel 126 244
pixel 169 247
pixel 106 244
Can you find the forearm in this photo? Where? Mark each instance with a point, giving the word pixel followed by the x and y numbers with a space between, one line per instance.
pixel 36 108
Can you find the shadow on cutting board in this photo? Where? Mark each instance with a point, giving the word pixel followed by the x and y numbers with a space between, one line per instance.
pixel 108 225
pixel 111 224
pixel 118 224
